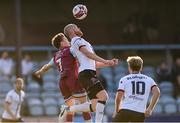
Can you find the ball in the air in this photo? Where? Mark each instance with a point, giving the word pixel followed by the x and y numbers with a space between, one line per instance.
pixel 80 11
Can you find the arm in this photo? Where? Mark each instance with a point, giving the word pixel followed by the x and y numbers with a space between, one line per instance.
pixel 102 65
pixel 153 102
pixel 92 55
pixel 44 69
pixel 8 109
pixel 118 100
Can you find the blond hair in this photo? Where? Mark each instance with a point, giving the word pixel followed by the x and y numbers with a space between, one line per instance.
pixel 135 63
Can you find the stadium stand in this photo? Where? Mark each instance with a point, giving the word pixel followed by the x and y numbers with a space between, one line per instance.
pixel 166 88
pixel 35 107
pixel 51 106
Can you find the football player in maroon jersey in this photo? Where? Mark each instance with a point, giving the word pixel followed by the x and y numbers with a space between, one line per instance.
pixel 68 69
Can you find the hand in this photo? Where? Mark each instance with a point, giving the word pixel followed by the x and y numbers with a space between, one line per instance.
pixel 148 112
pixel 37 75
pixel 109 62
pixel 115 61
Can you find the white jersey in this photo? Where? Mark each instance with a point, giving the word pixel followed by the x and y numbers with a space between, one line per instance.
pixel 15 101
pixel 84 61
pixel 137 88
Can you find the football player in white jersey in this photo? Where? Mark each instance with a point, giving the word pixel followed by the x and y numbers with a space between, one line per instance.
pixel 133 92
pixel 13 101
pixel 88 61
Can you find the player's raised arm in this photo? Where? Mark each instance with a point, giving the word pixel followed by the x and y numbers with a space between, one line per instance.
pixel 101 65
pixel 153 102
pixel 44 68
pixel 95 57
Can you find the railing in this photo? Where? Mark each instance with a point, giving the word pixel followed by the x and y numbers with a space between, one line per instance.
pixel 108 48
pixel 102 47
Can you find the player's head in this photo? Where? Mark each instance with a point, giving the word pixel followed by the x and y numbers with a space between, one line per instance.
pixel 72 30
pixel 5 55
pixel 135 64
pixel 19 84
pixel 60 41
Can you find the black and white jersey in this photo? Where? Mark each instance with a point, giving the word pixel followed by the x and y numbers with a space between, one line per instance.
pixel 84 62
pixel 136 88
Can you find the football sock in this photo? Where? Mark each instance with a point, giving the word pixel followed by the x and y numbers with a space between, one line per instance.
pixel 85 107
pixel 100 111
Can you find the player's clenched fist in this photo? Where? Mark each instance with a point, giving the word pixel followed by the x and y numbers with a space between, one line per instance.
pixel 115 61
pixel 109 62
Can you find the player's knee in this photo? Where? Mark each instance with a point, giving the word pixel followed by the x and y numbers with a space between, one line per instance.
pixel 103 96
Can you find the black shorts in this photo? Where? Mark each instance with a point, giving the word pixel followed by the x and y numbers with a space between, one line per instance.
pixel 90 82
pixel 125 115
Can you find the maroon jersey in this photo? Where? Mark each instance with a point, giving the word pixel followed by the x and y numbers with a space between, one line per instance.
pixel 68 69
pixel 65 62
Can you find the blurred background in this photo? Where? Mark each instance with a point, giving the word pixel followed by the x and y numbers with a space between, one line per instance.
pixel 116 28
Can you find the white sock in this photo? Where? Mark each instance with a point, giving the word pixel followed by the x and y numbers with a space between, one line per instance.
pixel 99 112
pixel 85 107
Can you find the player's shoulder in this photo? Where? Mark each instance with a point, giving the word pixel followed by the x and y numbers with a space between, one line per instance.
pixel 124 78
pixel 11 92
pixel 148 78
pixel 75 39
pixel 23 93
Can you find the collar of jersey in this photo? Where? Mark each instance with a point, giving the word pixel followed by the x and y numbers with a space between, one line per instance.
pixel 74 38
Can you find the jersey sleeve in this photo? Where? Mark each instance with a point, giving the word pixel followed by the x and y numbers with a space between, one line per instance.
pixel 8 98
pixel 153 83
pixel 79 43
pixel 23 95
pixel 51 62
pixel 121 86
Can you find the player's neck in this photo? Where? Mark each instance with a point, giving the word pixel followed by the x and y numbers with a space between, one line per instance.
pixel 17 91
pixel 135 72
pixel 72 36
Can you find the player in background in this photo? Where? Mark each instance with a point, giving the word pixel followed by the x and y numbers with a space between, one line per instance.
pixel 13 101
pixel 133 93
pixel 87 58
pixel 68 69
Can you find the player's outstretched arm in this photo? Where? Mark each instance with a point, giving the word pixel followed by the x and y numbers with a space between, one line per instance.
pixel 102 65
pixel 44 69
pixel 94 56
pixel 153 102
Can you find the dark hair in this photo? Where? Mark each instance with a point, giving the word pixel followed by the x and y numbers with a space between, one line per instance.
pixel 135 63
pixel 56 40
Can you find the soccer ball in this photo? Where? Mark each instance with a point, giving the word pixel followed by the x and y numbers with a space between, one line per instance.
pixel 79 11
